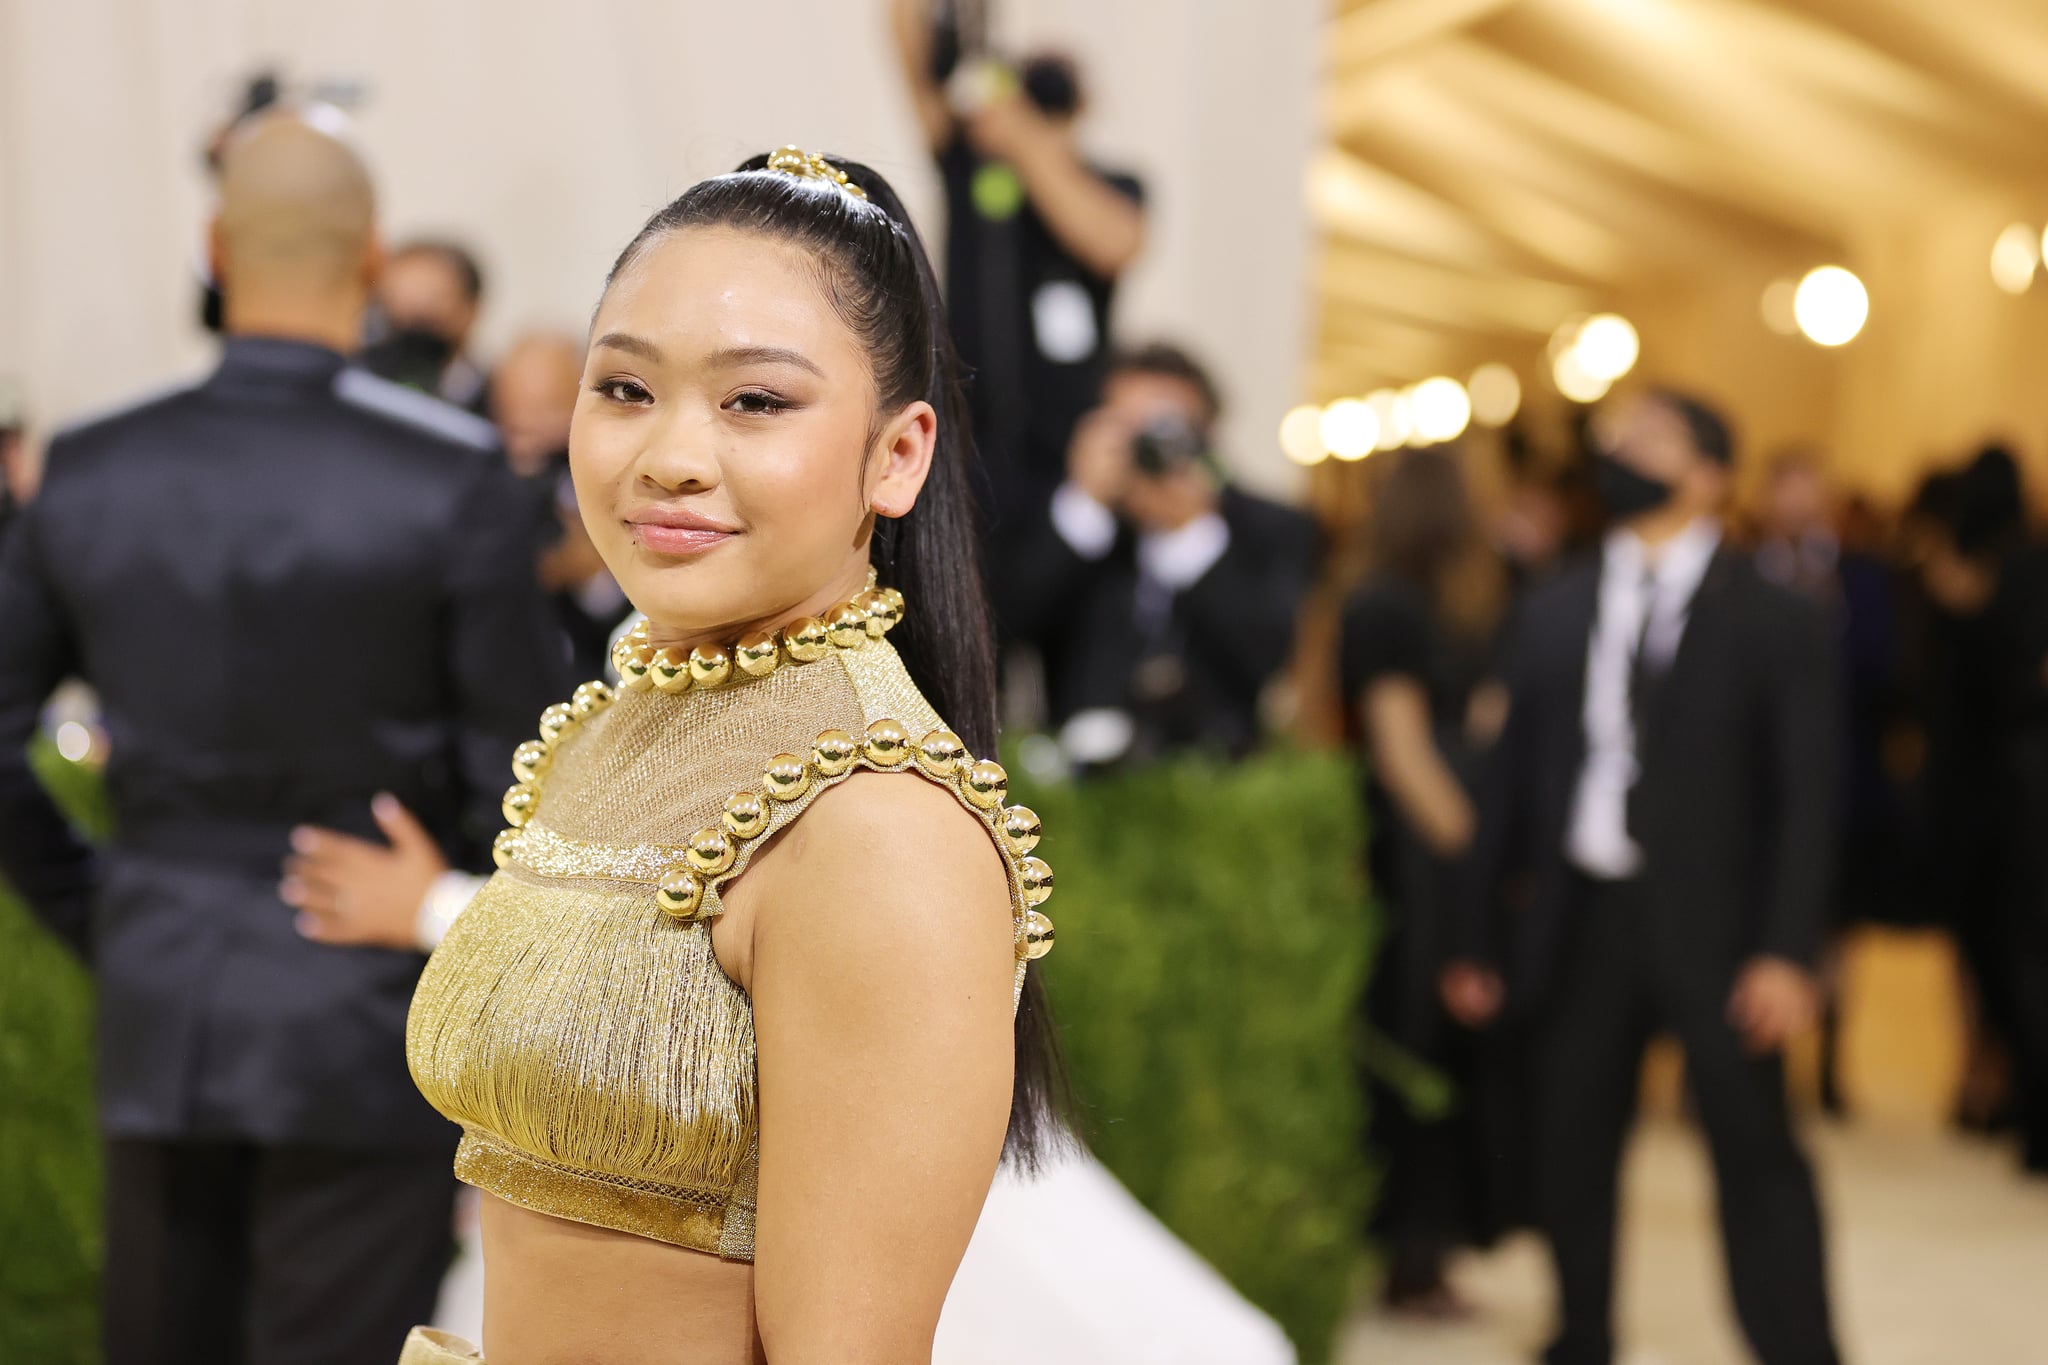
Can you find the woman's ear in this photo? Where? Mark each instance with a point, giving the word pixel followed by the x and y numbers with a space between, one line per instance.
pixel 903 459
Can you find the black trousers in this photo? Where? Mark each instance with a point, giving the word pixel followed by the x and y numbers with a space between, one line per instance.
pixel 1612 994
pixel 233 1254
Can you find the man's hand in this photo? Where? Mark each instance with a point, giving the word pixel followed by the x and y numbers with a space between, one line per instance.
pixel 1472 993
pixel 1099 457
pixel 351 891
pixel 1773 1001
pixel 1007 128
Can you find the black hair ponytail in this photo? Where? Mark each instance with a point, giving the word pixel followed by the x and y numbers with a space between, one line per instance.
pixel 880 279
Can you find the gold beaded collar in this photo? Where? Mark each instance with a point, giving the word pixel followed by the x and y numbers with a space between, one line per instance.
pixel 867 615
pixel 682 873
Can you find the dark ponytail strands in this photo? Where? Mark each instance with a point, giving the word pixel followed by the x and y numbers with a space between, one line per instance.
pixel 879 277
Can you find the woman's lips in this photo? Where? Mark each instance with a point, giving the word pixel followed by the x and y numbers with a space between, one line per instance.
pixel 663 539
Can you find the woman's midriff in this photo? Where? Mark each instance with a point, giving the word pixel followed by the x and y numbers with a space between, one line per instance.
pixel 563 1293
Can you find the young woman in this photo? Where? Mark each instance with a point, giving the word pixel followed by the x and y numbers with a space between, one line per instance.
pixel 741 1029
pixel 1417 645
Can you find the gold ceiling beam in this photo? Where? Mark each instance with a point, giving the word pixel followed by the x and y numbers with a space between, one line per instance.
pixel 1673 63
pixel 1432 135
pixel 1376 31
pixel 1604 131
pixel 1364 203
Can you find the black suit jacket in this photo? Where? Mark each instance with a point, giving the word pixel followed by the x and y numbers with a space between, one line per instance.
pixel 1736 806
pixel 1232 627
pixel 292 586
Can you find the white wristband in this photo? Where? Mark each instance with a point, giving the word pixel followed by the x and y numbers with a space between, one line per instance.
pixel 446 899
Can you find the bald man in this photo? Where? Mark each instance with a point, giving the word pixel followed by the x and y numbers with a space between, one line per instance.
pixel 296 590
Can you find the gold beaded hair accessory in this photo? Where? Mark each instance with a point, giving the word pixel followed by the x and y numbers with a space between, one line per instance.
pixel 795 161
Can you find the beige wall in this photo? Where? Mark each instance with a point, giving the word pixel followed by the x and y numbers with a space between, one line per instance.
pixel 545 132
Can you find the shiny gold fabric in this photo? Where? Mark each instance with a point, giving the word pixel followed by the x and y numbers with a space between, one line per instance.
pixel 600 1061
pixel 425 1346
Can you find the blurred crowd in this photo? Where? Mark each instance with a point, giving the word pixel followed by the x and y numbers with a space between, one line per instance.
pixel 1882 676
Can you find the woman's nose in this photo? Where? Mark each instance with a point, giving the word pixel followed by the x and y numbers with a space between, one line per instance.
pixel 680 454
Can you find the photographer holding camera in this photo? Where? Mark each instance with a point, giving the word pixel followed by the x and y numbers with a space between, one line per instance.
pixel 1163 597
pixel 1036 239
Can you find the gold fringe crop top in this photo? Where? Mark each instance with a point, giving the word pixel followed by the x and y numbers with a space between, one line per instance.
pixel 575 1022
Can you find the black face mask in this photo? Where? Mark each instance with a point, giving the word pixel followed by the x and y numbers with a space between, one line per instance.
pixel 412 356
pixel 1628 492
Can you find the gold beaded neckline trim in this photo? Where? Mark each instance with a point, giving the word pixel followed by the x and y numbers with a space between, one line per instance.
pixel 682 874
pixel 867 615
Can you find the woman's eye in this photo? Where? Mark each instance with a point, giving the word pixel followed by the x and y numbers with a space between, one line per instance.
pixel 623 391
pixel 754 403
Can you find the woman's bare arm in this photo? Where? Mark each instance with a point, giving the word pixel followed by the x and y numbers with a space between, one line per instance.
pixel 1409 765
pixel 881 965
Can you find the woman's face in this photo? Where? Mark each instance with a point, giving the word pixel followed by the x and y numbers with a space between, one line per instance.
pixel 725 448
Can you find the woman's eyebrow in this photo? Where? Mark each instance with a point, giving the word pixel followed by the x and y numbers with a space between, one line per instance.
pixel 627 342
pixel 756 355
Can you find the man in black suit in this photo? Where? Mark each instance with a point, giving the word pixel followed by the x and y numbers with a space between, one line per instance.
pixel 293 587
pixel 1162 597
pixel 1664 805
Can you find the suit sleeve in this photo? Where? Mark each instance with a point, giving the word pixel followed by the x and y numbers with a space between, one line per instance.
pixel 1503 779
pixel 505 661
pixel 1254 604
pixel 40 854
pixel 1043 578
pixel 1806 721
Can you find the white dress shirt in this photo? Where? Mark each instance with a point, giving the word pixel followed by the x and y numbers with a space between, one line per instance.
pixel 1637 586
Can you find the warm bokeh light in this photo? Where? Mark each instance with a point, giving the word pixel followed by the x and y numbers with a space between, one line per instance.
pixel 1301 435
pixel 1349 429
pixel 1607 346
pixel 2015 256
pixel 1779 313
pixel 1832 305
pixel 1496 394
pixel 1390 409
pixel 1572 380
pixel 1441 410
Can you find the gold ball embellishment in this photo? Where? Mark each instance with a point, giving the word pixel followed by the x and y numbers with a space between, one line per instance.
pixel 530 760
pixel 556 721
pixel 520 804
pixel 939 753
pixel 881 616
pixel 985 784
pixel 711 851
pixel 758 655
pixel 1037 936
pixel 504 846
pixel 745 814
pixel 1020 829
pixel 589 699
pixel 834 752
pixel 787 777
pixel 629 661
pixel 847 627
pixel 1036 878
pixel 671 670
pixel 710 665
pixel 680 893
pixel 887 744
pixel 806 639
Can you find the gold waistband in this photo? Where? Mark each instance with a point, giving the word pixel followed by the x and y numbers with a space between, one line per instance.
pixel 697 1219
pixel 426 1346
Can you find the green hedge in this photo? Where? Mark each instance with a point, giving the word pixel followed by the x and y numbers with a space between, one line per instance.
pixel 1213 941
pixel 49 1146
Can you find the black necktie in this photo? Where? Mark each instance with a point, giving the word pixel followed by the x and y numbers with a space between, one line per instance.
pixel 1642 681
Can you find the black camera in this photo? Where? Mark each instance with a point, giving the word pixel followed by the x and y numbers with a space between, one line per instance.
pixel 1168 444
